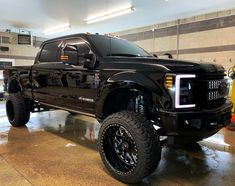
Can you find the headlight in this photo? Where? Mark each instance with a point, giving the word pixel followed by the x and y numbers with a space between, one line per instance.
pixel 181 89
pixel 169 81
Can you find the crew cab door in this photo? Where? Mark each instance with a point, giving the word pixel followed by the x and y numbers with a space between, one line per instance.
pixel 46 74
pixel 60 78
pixel 81 81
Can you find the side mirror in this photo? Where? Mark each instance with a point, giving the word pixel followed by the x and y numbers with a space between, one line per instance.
pixel 70 51
pixel 87 56
pixel 70 48
pixel 89 62
pixel 168 55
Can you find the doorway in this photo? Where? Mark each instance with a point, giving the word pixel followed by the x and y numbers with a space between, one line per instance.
pixel 4 63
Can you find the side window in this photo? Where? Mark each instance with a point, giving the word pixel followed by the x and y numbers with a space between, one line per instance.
pixel 75 49
pixel 50 52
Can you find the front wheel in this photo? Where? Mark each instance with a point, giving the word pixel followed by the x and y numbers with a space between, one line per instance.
pixel 129 146
pixel 17 110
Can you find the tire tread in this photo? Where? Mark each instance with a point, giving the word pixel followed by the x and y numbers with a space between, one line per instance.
pixel 21 110
pixel 150 144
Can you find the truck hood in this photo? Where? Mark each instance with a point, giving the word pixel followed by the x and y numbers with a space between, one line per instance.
pixel 170 64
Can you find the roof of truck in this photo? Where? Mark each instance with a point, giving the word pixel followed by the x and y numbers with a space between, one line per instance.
pixel 78 35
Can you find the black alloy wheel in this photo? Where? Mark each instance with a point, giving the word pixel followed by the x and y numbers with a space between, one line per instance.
pixel 129 146
pixel 120 149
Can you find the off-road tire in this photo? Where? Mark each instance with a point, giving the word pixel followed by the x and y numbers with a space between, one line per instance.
pixel 146 141
pixel 17 110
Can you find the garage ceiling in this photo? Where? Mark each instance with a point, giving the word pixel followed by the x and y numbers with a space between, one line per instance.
pixel 39 16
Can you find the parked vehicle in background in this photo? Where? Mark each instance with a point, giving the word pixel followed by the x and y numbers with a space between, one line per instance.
pixel 135 96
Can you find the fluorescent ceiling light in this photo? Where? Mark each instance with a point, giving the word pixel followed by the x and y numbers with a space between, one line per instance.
pixel 56 30
pixel 110 15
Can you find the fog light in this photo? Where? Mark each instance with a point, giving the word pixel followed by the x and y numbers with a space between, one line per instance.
pixel 213 123
pixel 186 122
pixel 196 123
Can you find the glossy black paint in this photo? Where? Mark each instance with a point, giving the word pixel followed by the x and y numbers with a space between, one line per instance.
pixel 62 84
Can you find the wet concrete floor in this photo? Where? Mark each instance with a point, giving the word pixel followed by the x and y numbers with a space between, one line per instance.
pixel 57 148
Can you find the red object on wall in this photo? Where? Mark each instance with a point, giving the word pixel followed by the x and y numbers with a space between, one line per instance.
pixel 231 126
pixel 233 118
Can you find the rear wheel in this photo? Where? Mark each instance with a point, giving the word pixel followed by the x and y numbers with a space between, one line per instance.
pixel 17 110
pixel 129 146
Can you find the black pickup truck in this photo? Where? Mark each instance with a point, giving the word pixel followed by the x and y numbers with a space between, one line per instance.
pixel 135 96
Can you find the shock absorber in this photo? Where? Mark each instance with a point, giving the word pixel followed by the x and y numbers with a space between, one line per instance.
pixel 140 104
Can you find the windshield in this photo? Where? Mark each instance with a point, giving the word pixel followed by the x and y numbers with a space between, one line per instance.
pixel 109 46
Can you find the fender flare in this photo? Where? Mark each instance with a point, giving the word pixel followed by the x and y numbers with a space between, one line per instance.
pixel 135 78
pixel 127 80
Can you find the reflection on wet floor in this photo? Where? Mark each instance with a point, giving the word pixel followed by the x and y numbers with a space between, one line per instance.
pixel 57 148
pixel 79 129
pixel 2 109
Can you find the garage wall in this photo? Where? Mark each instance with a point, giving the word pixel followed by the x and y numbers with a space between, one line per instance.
pixel 204 38
pixel 21 54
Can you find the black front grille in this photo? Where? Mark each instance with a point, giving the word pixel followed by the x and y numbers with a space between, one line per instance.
pixel 211 91
pixel 215 103
pixel 217 91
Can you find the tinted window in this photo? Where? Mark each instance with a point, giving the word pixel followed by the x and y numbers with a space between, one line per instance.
pixel 74 49
pixel 110 46
pixel 50 52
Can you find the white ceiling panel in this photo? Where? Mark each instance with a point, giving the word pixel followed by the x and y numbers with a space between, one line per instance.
pixel 39 16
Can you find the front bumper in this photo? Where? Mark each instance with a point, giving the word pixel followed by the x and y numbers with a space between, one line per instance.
pixel 201 124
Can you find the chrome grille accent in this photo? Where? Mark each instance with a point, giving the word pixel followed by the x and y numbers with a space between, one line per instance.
pixel 214 95
pixel 214 84
pixel 213 89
